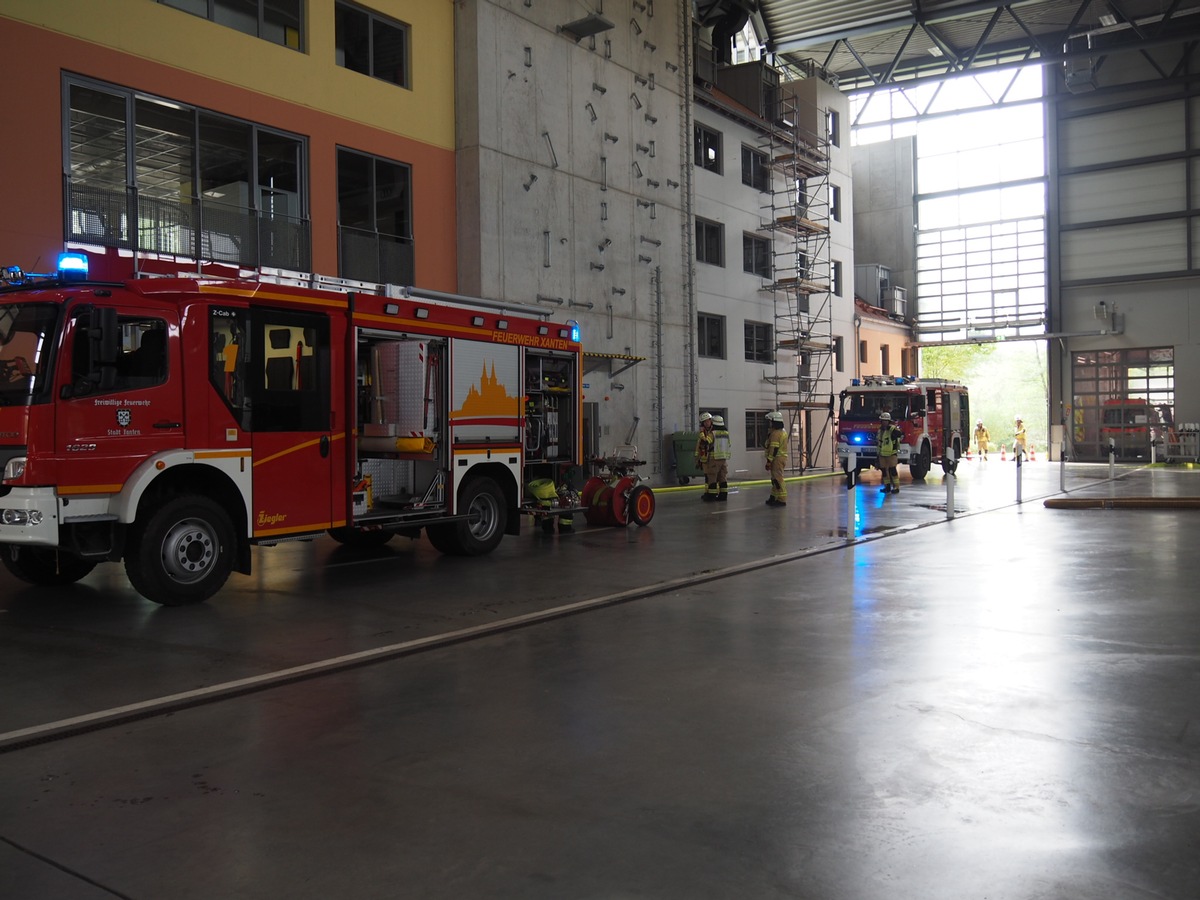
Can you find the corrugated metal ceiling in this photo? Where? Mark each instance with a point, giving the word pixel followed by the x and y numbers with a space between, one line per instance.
pixel 925 38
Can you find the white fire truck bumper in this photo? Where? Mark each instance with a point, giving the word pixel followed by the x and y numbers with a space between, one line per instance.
pixel 29 516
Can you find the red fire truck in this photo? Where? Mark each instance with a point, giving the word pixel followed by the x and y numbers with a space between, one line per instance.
pixel 1129 425
pixel 176 422
pixel 933 414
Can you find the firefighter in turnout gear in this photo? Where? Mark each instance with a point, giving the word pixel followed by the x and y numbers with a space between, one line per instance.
pixel 1019 438
pixel 888 440
pixel 704 456
pixel 776 447
pixel 721 451
pixel 982 438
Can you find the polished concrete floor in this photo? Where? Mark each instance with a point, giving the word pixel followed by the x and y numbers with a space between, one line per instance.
pixel 737 702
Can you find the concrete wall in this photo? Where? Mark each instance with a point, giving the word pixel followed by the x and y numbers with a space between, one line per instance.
pixel 570 189
pixel 885 209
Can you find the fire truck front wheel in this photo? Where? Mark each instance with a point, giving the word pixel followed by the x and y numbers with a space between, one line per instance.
pixel 918 465
pixel 482 503
pixel 182 553
pixel 45 566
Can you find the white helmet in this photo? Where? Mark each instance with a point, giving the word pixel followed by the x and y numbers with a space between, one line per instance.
pixel 704 416
pixel 885 417
pixel 978 422
pixel 1018 419
pixel 719 421
pixel 775 417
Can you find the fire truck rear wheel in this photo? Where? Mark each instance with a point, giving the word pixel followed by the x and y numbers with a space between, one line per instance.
pixel 45 566
pixel 482 503
pixel 182 553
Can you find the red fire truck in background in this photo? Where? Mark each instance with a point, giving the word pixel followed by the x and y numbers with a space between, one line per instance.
pixel 933 414
pixel 175 422
pixel 1129 425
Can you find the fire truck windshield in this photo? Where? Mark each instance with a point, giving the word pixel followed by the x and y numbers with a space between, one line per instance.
pixel 26 335
pixel 867 405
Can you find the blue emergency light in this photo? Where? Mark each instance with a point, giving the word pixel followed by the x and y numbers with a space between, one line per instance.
pixel 72 266
pixel 574 330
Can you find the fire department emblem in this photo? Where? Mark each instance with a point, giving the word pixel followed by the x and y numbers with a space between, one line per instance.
pixel 124 417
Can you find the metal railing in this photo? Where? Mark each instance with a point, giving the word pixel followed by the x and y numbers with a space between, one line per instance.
pixel 202 230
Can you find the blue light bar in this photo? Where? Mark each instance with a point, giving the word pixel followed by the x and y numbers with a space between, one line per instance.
pixel 72 266
pixel 574 330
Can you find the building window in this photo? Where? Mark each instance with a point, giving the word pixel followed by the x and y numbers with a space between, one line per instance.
pixel 756 171
pixel 710 241
pixel 370 44
pixel 708 149
pixel 885 360
pixel 833 125
pixel 835 203
pixel 756 428
pixel 374 219
pixel 710 336
pixel 839 349
pixel 196 183
pixel 756 255
pixel 758 342
pixel 277 21
pixel 835 280
pixel 862 351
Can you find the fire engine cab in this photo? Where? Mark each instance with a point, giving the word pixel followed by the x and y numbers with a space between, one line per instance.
pixel 933 414
pixel 173 423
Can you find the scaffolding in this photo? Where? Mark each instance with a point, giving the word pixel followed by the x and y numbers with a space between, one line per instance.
pixel 797 211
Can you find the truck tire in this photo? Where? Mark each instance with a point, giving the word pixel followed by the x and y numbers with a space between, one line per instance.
pixel 361 539
pixel 482 504
pixel 919 467
pixel 45 566
pixel 182 553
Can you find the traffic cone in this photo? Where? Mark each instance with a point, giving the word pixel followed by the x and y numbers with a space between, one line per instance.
pixel 968 451
pixel 1032 454
pixel 1003 457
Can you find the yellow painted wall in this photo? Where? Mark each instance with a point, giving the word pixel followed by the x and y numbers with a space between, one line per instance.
pixel 159 33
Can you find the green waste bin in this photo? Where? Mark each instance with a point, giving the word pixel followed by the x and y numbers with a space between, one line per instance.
pixel 683 446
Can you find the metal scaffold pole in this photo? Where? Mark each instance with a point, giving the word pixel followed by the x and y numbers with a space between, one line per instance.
pixel 798 213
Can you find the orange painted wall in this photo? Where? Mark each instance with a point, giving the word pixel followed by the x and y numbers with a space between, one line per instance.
pixel 32 166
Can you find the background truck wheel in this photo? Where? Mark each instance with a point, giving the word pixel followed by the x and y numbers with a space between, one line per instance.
pixel 641 505
pixel 483 504
pixel 45 566
pixel 919 467
pixel 182 553
pixel 357 537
